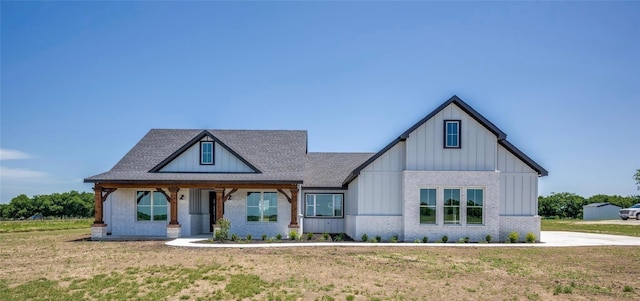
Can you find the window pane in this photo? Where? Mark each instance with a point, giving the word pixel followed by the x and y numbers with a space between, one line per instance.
pixel 144 213
pixel 160 213
pixel 310 199
pixel 310 211
pixel 452 215
pixel 159 199
pixel 253 214
pixel 337 205
pixel 143 198
pixel 427 215
pixel 428 197
pixel 452 197
pixel 474 215
pixel 324 205
pixel 253 199
pixel 207 152
pixel 474 197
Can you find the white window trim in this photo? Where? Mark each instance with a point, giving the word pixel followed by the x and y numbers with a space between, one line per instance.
pixel 484 197
pixel 446 134
pixel 202 144
pixel 435 207
pixel 151 206
pixel 460 221
pixel 260 206
pixel 315 204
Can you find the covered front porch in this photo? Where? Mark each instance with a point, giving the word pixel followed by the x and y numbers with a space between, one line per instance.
pixel 163 209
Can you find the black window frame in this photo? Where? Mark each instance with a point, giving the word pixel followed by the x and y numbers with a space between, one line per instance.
pixel 213 153
pixel 444 133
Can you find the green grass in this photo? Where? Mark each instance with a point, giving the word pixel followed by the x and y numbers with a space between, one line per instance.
pixel 44 225
pixel 575 225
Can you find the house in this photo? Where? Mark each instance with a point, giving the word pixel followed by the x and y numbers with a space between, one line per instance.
pixel 600 211
pixel 452 173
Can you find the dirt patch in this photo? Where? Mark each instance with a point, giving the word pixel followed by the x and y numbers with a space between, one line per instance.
pixel 384 273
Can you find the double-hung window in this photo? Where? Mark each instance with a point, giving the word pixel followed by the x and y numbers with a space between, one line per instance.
pixel 206 153
pixel 324 205
pixel 262 207
pixel 151 206
pixel 427 206
pixel 474 206
pixel 452 134
pixel 452 206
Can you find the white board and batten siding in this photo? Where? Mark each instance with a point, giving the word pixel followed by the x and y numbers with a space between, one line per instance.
pixel 518 186
pixel 380 184
pixel 425 145
pixel 324 224
pixel 189 161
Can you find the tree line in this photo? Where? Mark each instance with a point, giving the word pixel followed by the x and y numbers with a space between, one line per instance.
pixel 569 205
pixel 62 205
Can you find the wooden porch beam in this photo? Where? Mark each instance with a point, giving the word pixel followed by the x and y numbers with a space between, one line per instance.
pixel 219 203
pixel 173 199
pixel 226 196
pixel 294 208
pixel 211 185
pixel 285 195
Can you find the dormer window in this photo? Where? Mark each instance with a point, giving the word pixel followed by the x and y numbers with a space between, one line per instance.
pixel 206 153
pixel 452 134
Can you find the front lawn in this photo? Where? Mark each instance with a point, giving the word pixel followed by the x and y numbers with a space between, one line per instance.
pixel 629 228
pixel 44 225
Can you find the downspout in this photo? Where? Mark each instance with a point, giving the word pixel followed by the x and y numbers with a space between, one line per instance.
pixel 300 214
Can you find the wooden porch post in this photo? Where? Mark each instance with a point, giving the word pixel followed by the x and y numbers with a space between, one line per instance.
pixel 219 203
pixel 97 196
pixel 294 208
pixel 173 200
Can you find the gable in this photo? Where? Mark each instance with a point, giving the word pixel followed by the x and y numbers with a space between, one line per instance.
pixel 188 158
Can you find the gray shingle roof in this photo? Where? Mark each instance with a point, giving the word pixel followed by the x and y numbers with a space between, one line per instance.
pixel 278 155
pixel 330 169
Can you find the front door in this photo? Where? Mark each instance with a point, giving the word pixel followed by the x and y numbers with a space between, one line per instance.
pixel 212 209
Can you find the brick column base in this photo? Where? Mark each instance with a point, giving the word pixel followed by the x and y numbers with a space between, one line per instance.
pixel 173 231
pixel 98 231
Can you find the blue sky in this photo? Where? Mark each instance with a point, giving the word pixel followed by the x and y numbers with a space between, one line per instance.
pixel 83 82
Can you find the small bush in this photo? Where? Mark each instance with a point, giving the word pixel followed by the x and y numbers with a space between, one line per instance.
pixel 627 289
pixel 278 236
pixel 264 236
pixel 488 238
pixel 460 240
pixel 425 239
pixel 530 238
pixel 466 239
pixel 293 234
pixel 378 238
pixel 234 237
pixel 365 237
pixel 309 236
pixel 270 240
pixel 416 241
pixel 373 240
pixel 444 239
pixel 394 238
pixel 321 238
pixel 514 236
pixel 325 235
pixel 249 237
pixel 222 229
pixel 339 237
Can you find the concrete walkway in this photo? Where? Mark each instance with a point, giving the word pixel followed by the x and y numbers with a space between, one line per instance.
pixel 548 239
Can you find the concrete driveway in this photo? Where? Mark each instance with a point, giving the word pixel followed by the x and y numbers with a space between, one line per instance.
pixel 547 238
pixel 575 239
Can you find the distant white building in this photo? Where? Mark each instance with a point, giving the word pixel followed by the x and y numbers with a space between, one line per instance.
pixel 452 173
pixel 600 211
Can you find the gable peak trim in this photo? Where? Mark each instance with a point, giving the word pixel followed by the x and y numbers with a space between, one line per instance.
pixel 192 142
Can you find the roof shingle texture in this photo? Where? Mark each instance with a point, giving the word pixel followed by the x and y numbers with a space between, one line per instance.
pixel 330 169
pixel 279 155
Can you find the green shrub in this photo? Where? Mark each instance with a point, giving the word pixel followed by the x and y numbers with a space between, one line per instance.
pixel 416 241
pixel 466 239
pixel 278 236
pixel 394 238
pixel 350 297
pixel 249 237
pixel 222 229
pixel 373 239
pixel 365 237
pixel 234 237
pixel 488 238
pixel 325 235
pixel 627 289
pixel 460 240
pixel 445 239
pixel 309 236
pixel 425 239
pixel 264 236
pixel 339 237
pixel 378 238
pixel 293 234
pixel 514 236
pixel 530 238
